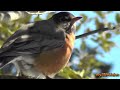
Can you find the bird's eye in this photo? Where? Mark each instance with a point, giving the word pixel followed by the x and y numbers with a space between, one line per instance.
pixel 64 18
pixel 61 19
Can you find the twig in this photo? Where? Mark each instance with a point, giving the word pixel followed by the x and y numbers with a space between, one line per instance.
pixel 26 77
pixel 15 77
pixel 38 12
pixel 95 31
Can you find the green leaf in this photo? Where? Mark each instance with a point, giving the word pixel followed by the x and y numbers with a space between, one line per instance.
pixel 106 47
pixel 98 24
pixel 88 30
pixel 100 13
pixel 37 18
pixel 108 35
pixel 108 12
pixel 50 15
pixel 1 42
pixel 110 43
pixel 23 20
pixel 95 40
pixel 82 73
pixel 76 52
pixel 83 45
pixel 118 18
pixel 68 73
pixel 84 18
pixel 78 27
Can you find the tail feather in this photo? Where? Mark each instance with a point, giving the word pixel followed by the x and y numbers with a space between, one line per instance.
pixel 4 60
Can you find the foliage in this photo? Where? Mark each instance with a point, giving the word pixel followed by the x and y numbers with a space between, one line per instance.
pixel 88 65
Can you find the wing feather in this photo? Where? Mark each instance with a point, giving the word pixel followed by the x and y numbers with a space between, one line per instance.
pixel 31 40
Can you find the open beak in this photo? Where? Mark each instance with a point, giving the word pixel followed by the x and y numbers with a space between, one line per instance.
pixel 73 21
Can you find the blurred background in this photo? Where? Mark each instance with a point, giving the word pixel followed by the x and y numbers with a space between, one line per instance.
pixel 94 54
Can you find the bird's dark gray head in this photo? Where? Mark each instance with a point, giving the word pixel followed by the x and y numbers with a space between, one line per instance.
pixel 66 21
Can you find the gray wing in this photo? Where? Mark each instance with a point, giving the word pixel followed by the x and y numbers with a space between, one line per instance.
pixel 25 42
pixel 31 45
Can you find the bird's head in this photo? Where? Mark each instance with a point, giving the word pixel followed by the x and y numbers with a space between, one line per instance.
pixel 66 21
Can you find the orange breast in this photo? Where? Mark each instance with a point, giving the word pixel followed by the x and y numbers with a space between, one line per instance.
pixel 53 61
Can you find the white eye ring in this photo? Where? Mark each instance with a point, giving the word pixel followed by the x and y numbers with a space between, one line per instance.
pixel 62 18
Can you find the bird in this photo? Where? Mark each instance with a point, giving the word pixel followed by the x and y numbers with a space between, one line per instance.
pixel 42 48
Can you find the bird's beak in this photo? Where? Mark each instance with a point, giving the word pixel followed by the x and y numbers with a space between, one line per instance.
pixel 73 21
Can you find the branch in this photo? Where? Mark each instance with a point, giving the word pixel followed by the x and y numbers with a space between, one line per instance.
pixel 15 77
pixel 38 12
pixel 7 16
pixel 95 31
pixel 26 77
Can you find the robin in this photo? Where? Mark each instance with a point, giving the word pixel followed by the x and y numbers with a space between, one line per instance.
pixel 41 49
